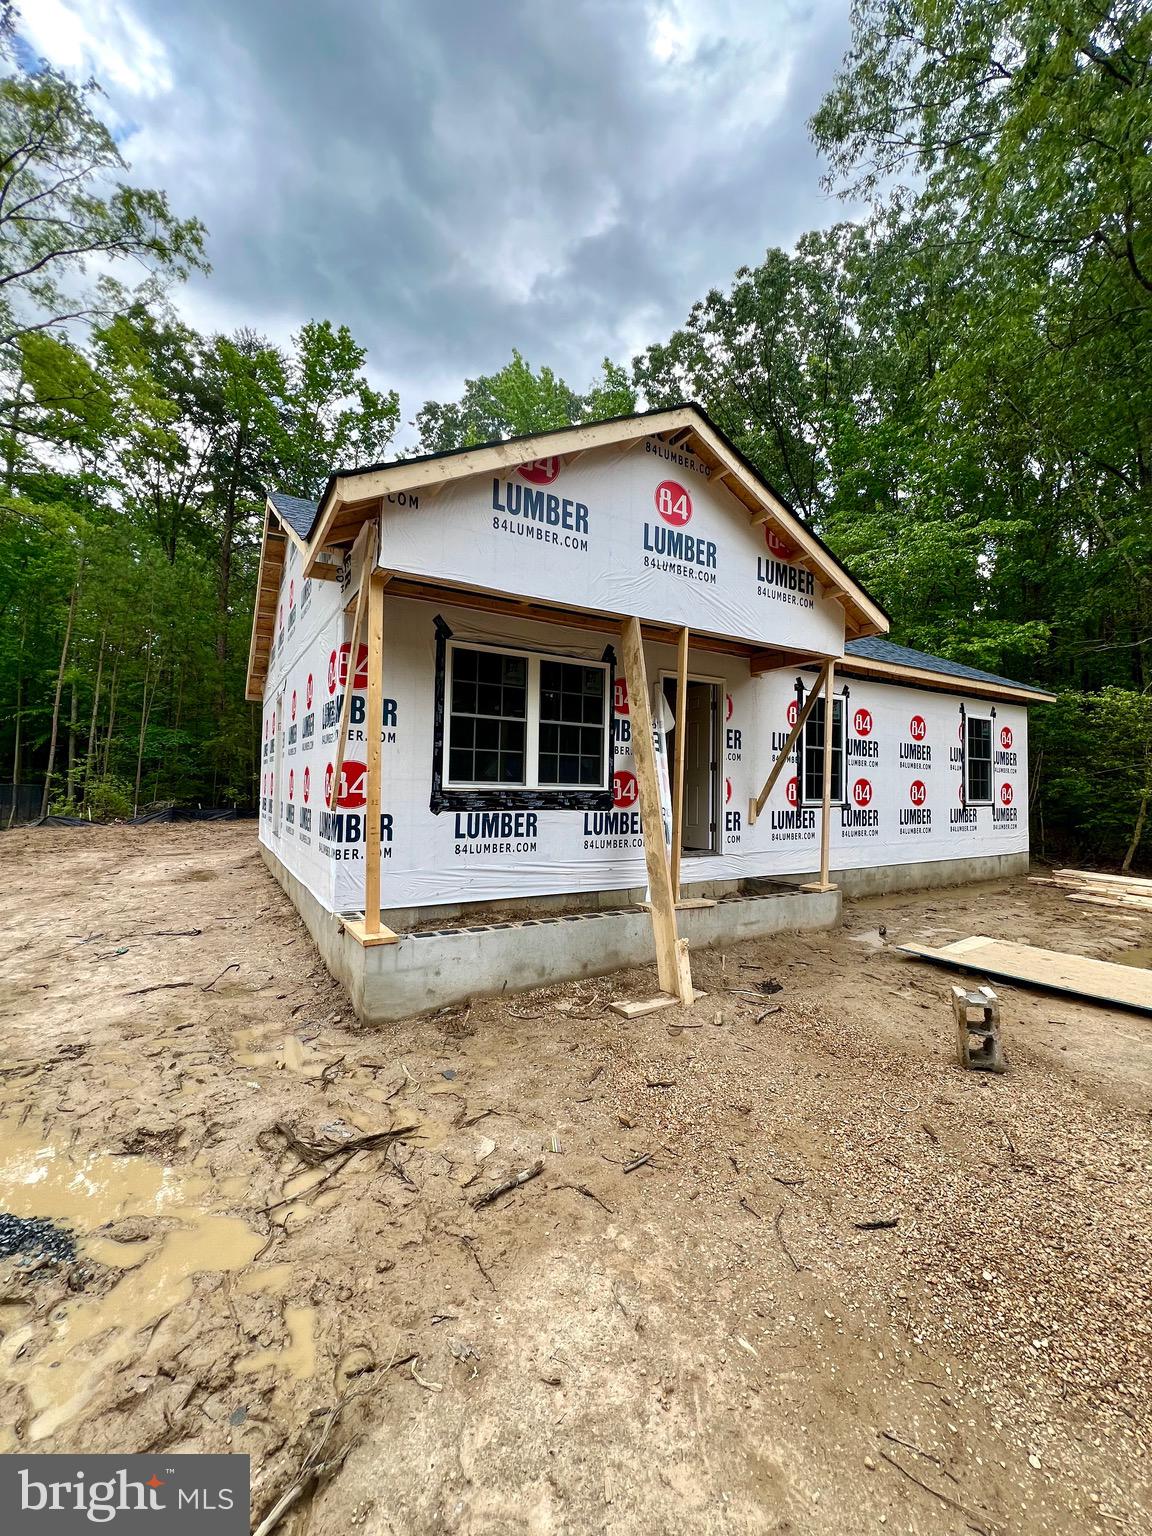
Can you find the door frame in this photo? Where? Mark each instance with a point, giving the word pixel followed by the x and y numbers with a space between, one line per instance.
pixel 719 686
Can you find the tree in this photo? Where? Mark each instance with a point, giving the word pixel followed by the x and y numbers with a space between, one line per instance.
pixel 61 210
pixel 516 402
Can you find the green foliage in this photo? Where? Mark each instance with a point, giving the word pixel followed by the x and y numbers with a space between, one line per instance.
pixel 955 391
pixel 107 798
pixel 1092 761
pixel 516 401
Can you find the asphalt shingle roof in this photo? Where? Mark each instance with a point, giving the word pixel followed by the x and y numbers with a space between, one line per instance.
pixel 875 649
pixel 298 513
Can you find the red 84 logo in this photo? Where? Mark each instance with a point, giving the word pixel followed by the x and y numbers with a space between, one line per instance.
pixel 917 728
pixel 1005 794
pixel 862 722
pixel 625 790
pixel 1005 736
pixel 673 503
pixel 917 792
pixel 793 791
pixel 862 792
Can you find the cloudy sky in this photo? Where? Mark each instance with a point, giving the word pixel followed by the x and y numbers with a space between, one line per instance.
pixel 453 178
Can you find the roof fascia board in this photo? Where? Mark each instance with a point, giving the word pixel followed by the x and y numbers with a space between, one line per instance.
pixel 370 485
pixel 251 692
pixel 942 682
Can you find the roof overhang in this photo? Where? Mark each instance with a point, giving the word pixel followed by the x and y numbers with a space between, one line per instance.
pixel 940 682
pixel 352 496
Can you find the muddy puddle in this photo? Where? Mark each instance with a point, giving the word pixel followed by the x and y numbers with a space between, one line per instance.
pixel 1141 957
pixel 155 1224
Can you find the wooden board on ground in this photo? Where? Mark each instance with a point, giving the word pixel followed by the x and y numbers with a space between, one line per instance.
pixel 1098 981
pixel 1091 876
pixel 637 1010
pixel 1117 903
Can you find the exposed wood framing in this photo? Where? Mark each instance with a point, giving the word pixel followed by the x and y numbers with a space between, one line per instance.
pixel 369 536
pixel 579 618
pixel 671 951
pixel 681 759
pixel 756 805
pixel 375 582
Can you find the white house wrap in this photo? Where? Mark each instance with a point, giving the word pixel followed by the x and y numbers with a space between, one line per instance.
pixel 507 769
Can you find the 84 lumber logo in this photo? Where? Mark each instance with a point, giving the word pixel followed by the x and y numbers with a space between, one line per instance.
pixel 62 1495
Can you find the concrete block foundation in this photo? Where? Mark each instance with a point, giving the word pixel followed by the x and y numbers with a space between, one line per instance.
pixel 432 967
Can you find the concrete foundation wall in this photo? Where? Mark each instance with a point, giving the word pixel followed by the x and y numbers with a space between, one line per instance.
pixel 439 966
pixel 922 877
pixel 436 967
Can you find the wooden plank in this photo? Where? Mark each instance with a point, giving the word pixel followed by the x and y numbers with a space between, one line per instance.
pixel 671 960
pixel 638 1009
pixel 1112 899
pixel 681 759
pixel 1122 893
pixel 1102 877
pixel 357 928
pixel 1050 970
pixel 649 1005
pixel 757 805
pixel 375 582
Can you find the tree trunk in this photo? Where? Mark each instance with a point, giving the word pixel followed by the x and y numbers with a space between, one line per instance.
pixel 144 705
pixel 19 721
pixel 72 719
pixel 59 690
pixel 107 753
pixel 227 536
pixel 91 755
pixel 1138 829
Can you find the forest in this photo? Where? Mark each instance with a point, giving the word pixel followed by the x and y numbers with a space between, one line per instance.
pixel 954 388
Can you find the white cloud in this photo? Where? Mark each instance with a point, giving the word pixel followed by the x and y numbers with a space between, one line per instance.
pixel 100 38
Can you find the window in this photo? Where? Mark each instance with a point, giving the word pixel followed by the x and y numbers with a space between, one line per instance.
pixel 488 730
pixel 812 756
pixel 571 723
pixel 978 761
pixel 517 720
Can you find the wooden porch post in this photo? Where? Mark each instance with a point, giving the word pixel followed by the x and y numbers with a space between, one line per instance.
pixel 372 726
pixel 671 951
pixel 681 759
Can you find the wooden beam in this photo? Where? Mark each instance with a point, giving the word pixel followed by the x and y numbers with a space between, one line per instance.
pixel 350 679
pixel 757 805
pixel 375 582
pixel 671 951
pixel 681 759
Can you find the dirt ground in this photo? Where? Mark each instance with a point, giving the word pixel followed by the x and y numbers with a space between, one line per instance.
pixel 707 1342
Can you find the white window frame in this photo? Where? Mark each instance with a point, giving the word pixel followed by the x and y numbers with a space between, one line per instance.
pixel 531 781
pixel 839 705
pixel 969 798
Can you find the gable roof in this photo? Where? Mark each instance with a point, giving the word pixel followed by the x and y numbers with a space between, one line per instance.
pixel 875 656
pixel 352 495
pixel 296 512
